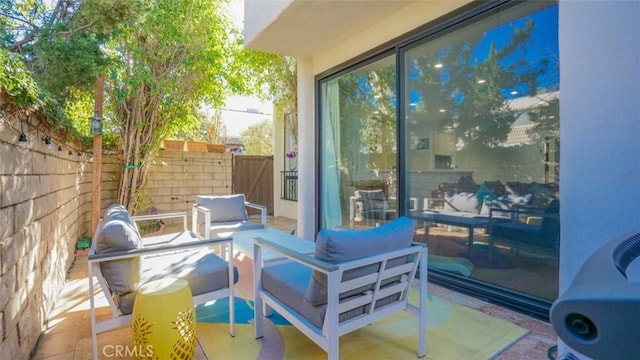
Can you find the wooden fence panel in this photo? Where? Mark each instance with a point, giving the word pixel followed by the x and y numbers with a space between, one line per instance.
pixel 253 177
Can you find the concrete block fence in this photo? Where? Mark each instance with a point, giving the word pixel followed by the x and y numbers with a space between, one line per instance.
pixel 45 208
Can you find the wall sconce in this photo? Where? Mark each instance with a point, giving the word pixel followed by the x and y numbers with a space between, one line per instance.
pixel 96 125
pixel 48 143
pixel 23 142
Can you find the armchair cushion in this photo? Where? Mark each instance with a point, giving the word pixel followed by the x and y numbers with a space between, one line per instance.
pixel 338 246
pixel 224 207
pixel 119 233
pixel 288 282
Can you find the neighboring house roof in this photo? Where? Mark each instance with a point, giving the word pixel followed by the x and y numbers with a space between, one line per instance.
pixel 233 140
pixel 519 129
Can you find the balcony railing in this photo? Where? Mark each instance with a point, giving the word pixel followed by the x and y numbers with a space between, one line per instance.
pixel 289 187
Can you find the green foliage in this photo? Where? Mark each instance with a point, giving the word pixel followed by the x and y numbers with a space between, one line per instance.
pixel 162 59
pixel 18 83
pixel 60 48
pixel 258 138
pixel 61 44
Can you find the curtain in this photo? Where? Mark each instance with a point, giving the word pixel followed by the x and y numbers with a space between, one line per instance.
pixel 330 127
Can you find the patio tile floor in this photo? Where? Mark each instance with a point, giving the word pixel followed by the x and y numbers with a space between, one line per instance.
pixel 68 334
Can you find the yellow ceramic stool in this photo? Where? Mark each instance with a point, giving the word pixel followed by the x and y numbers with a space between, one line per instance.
pixel 164 325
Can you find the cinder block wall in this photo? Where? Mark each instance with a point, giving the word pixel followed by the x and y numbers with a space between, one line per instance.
pixel 174 180
pixel 44 209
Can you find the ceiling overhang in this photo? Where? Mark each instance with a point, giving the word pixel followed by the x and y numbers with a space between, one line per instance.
pixel 306 28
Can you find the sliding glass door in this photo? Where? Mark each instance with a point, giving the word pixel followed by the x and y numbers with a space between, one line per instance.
pixel 358 130
pixel 474 158
pixel 482 148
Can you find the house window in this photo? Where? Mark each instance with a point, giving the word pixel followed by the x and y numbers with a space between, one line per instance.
pixel 473 117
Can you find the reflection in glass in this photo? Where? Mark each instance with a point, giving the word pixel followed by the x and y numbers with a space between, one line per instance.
pixel 485 99
pixel 358 146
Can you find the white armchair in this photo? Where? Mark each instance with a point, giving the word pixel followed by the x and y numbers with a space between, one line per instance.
pixel 365 277
pixel 224 213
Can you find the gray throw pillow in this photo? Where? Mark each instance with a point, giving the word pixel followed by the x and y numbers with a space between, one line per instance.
pixel 338 246
pixel 224 207
pixel 119 233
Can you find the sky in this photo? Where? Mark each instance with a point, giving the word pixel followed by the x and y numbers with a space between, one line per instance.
pixel 239 112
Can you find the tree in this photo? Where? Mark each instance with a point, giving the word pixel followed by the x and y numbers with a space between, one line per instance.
pixel 60 44
pixel 182 55
pixel 162 60
pixel 60 41
pixel 258 138
pixel 467 95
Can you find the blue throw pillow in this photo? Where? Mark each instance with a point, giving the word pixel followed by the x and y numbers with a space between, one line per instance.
pixel 485 194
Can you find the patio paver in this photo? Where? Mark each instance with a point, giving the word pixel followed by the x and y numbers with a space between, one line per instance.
pixel 68 334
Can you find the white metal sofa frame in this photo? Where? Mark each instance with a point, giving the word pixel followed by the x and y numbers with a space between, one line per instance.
pixel 117 319
pixel 328 336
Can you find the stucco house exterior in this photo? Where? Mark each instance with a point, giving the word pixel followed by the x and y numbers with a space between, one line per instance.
pixel 589 101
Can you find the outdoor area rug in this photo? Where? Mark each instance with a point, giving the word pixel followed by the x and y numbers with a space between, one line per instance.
pixel 454 332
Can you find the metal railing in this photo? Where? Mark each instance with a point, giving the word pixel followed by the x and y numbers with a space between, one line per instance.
pixel 289 187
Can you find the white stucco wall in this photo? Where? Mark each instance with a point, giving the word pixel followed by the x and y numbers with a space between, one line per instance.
pixel 307 171
pixel 600 127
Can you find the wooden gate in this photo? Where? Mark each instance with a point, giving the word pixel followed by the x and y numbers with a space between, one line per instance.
pixel 253 177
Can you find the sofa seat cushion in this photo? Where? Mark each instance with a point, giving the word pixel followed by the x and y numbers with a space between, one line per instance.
pixel 202 269
pixel 379 214
pixel 338 246
pixel 288 282
pixel 517 232
pixel 224 207
pixel 461 202
pixel 504 202
pixel 118 233
pixel 228 226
